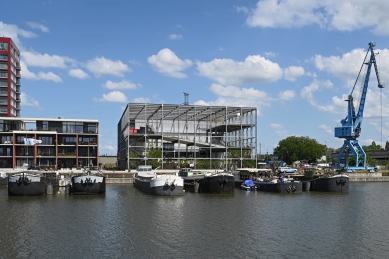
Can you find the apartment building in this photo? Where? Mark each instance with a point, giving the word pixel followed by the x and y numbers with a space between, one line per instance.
pixel 50 143
pixel 9 78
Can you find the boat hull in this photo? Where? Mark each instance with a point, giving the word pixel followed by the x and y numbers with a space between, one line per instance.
pixel 88 184
pixel 163 185
pixel 218 183
pixel 330 184
pixel 26 185
pixel 191 183
pixel 286 187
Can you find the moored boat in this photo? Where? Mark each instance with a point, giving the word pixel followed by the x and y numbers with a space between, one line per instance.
pixel 148 181
pixel 191 179
pixel 26 183
pixel 280 185
pixel 330 183
pixel 223 182
pixel 248 185
pixel 89 181
pixel 255 174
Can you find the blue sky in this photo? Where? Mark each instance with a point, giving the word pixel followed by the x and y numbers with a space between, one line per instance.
pixel 293 60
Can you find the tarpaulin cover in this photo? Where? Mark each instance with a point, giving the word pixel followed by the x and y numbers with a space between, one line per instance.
pixel 249 182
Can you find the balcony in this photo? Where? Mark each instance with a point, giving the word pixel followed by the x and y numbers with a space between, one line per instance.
pixel 18 82
pixel 18 75
pixel 18 67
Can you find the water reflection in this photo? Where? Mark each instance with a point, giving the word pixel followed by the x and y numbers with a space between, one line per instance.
pixel 125 223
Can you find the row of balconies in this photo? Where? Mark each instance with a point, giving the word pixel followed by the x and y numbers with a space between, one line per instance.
pixel 19 143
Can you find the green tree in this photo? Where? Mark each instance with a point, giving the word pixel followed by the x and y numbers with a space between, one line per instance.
pixel 295 148
pixel 154 156
pixel 387 146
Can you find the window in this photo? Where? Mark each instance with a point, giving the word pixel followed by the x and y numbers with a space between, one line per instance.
pixel 3 66
pixel 45 125
pixel 3 57
pixel 46 140
pixel 90 128
pixel 68 140
pixel 3 46
pixel 3 100
pixel 5 75
pixel 3 83
pixel 6 139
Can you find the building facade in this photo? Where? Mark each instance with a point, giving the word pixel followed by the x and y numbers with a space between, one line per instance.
pixel 171 136
pixel 59 143
pixel 9 78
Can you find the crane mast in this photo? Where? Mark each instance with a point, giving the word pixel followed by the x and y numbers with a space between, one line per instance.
pixel 350 128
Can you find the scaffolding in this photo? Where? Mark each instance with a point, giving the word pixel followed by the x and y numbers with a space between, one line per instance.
pixel 173 136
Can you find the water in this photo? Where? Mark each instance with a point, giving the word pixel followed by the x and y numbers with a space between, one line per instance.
pixel 125 223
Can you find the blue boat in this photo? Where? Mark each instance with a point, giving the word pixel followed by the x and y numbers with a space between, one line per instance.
pixel 248 185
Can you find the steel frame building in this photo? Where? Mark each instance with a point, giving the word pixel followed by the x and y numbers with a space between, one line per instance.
pixel 222 136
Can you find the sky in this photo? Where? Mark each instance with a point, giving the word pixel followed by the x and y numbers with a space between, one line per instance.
pixel 294 60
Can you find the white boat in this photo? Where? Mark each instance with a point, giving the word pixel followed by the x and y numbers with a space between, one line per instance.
pixel 148 181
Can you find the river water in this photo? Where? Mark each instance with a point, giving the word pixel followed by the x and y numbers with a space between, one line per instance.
pixel 125 223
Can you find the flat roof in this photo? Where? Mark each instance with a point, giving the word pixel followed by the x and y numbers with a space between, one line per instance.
pixel 33 120
pixel 183 111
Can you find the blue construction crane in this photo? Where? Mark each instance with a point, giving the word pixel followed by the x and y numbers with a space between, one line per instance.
pixel 351 125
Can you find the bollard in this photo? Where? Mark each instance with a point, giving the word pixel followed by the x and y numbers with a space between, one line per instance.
pixel 67 189
pixel 307 185
pixel 196 187
pixel 49 189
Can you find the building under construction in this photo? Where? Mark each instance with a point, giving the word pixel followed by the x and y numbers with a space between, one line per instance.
pixel 171 136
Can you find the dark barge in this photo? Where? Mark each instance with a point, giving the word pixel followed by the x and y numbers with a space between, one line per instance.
pixel 217 183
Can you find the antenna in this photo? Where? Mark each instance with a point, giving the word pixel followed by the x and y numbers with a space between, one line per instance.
pixel 186 102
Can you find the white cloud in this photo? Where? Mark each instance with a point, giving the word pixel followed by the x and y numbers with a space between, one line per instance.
pixel 26 73
pixel 102 66
pixel 78 73
pixel 275 126
pixel 175 37
pixel 292 72
pixel 278 129
pixel 50 76
pixel 228 71
pixel 286 95
pixel 124 84
pixel 326 129
pixel 270 54
pixel 35 25
pixel 114 96
pixel 348 65
pixel 45 60
pixel 347 15
pixel 307 93
pixel 167 63
pixel 239 97
pixel 26 100
pixel 12 31
pixel 141 100
pixel 287 13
